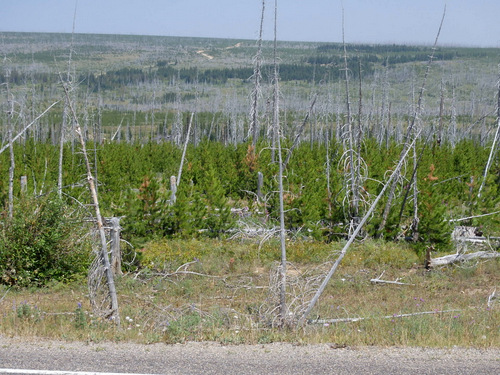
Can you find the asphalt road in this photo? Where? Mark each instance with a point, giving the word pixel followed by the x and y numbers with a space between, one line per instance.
pixel 212 358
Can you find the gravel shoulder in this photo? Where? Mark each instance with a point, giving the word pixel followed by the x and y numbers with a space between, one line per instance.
pixel 213 358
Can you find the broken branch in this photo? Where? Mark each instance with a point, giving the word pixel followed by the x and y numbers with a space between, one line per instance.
pixel 351 320
pixel 378 280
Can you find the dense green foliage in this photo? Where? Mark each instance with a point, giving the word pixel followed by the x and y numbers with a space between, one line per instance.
pixel 40 244
pixel 134 182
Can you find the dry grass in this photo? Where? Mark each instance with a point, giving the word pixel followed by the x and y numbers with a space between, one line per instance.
pixel 222 297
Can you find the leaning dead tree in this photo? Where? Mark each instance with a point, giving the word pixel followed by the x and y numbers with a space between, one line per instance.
pixel 494 145
pixel 411 129
pixel 20 134
pixel 353 236
pixel 103 258
pixel 184 150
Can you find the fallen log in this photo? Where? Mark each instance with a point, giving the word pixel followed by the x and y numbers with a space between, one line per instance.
pixel 458 257
pixel 353 320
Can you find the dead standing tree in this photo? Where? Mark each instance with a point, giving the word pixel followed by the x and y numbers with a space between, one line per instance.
pixel 277 133
pixel 278 283
pixel 351 161
pixel 256 93
pixel 64 124
pixel 10 131
pixel 177 126
pixel 348 139
pixel 299 132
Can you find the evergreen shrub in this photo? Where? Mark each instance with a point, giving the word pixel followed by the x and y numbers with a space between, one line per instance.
pixel 41 244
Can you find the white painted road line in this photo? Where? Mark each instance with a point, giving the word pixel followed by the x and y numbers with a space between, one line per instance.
pixel 47 372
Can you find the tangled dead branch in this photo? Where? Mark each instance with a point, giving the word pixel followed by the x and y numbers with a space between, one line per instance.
pixel 249 230
pixel 301 286
pixel 160 317
pixel 97 284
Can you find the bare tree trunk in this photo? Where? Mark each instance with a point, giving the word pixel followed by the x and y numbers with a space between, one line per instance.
pixel 257 76
pixel 24 184
pixel 299 133
pixel 413 185
pixel 388 129
pixel 173 190
pixel 349 142
pixel 416 220
pixel 459 258
pixel 98 124
pixel 61 149
pixel 114 313
pixel 352 164
pixel 10 130
pixel 260 183
pixel 184 150
pixel 441 114
pixel 197 105
pixel 312 125
pixel 494 145
pixel 327 171
pixel 277 134
pixel 116 255
pixel 65 115
pixel 382 132
pixel 358 140
pixel 453 131
pixel 177 127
